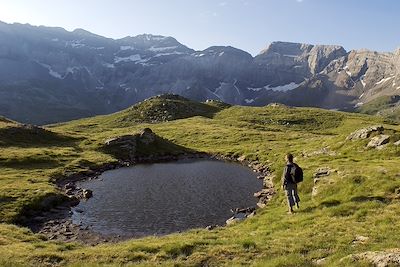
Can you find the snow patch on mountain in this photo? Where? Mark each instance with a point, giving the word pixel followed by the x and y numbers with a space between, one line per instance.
pixel 71 70
pixel 160 49
pixel 234 85
pixel 168 54
pixel 385 80
pixel 131 58
pixel 362 80
pixel 283 88
pixel 126 47
pixel 280 88
pixel 75 44
pixel 52 72
pixel 346 68
pixel 249 101
pixel 359 104
pixel 292 56
pixel 108 65
pixel 255 89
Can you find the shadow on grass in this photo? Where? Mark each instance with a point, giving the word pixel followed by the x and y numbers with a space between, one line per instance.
pixel 32 136
pixel 5 199
pixel 370 198
pixel 135 148
pixel 330 203
pixel 31 162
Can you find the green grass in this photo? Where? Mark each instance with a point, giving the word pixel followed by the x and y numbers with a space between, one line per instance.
pixel 360 198
pixel 385 106
pixel 383 102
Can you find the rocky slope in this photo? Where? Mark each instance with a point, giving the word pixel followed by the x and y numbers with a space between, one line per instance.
pixel 49 74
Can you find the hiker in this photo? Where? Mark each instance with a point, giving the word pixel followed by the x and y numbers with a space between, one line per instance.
pixel 292 174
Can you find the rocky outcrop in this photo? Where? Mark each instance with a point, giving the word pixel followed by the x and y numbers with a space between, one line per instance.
pixel 125 141
pixel 146 136
pixel 365 132
pixel 378 141
pixel 87 193
pixel 323 151
pixel 240 215
pixel 390 257
pixel 125 147
pixel 320 177
pixel 360 239
pixel 378 136
pixel 308 58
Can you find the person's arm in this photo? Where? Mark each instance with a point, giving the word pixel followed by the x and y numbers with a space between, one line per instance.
pixel 284 176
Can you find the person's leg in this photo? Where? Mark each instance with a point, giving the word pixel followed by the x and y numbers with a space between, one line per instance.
pixel 289 195
pixel 296 196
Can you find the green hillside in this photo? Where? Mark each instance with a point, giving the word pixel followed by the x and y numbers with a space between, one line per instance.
pixel 385 106
pixel 355 209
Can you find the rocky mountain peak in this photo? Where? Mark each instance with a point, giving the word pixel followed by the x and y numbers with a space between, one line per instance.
pixel 321 55
pixel 286 48
pixel 154 43
pixel 84 33
pixel 223 51
pixel 397 52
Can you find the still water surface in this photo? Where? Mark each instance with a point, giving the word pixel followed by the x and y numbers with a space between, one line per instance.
pixel 162 198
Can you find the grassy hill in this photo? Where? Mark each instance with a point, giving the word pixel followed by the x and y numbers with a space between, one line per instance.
pixel 384 106
pixel 360 198
pixel 156 109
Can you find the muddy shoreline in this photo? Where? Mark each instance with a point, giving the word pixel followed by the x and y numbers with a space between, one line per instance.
pixel 56 223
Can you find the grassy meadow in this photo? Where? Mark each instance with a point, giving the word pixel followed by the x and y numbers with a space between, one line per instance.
pixel 361 197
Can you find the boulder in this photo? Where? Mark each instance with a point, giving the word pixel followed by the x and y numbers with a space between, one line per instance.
pixel 264 193
pixel 69 191
pixel 378 141
pixel 365 132
pixel 360 240
pixel 70 186
pixel 322 151
pixel 241 214
pixel 242 158
pixel 87 193
pixel 397 143
pixel 236 218
pixel 125 140
pixel 384 258
pixel 211 227
pixel 147 136
pixel 232 220
pixel 321 172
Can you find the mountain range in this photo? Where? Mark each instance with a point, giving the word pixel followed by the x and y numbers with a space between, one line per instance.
pixel 48 74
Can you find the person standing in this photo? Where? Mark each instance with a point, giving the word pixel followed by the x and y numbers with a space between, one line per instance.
pixel 290 178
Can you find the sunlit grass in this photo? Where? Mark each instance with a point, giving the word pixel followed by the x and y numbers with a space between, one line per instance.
pixel 359 198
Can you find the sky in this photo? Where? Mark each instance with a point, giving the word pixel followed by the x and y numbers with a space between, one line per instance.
pixel 246 24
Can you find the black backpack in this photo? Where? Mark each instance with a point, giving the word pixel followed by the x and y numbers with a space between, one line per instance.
pixel 298 174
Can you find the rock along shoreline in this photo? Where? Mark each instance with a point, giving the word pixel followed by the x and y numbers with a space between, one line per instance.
pixel 55 223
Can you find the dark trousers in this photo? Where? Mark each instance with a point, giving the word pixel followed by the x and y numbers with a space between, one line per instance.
pixel 292 194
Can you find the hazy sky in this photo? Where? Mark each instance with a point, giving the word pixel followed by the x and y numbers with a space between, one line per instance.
pixel 246 24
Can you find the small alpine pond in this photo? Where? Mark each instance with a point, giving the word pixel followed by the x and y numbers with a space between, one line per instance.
pixel 162 198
